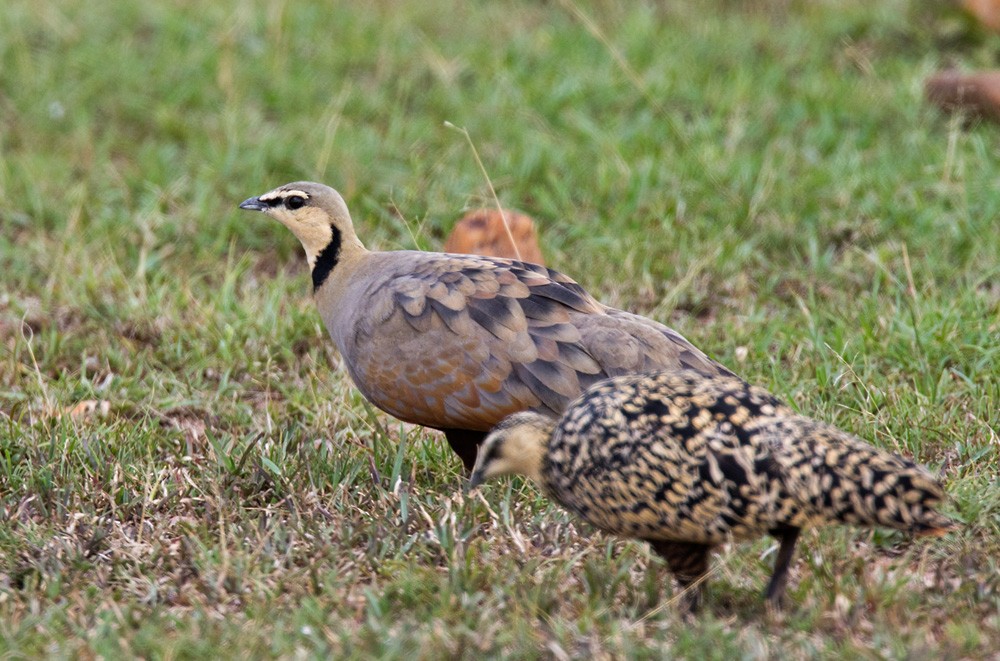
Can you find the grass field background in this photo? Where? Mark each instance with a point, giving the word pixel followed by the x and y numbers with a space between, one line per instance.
pixel 763 176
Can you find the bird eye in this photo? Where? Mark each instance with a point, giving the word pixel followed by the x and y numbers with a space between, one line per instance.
pixel 295 202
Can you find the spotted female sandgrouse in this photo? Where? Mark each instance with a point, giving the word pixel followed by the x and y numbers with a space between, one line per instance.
pixel 457 342
pixel 687 461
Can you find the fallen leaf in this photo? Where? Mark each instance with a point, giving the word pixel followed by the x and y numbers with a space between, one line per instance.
pixel 88 408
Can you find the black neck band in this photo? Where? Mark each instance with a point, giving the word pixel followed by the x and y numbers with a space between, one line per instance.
pixel 326 260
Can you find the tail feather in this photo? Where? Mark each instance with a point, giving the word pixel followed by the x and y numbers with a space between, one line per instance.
pixel 936 524
pixel 840 478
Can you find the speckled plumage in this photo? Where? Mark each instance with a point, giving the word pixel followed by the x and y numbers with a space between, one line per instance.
pixel 687 461
pixel 458 342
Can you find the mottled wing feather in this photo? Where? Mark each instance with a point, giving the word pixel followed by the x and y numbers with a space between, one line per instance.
pixel 685 456
pixel 470 339
pixel 841 478
pixel 656 337
pixel 677 475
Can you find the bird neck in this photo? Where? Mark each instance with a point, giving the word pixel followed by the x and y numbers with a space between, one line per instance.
pixel 531 466
pixel 338 250
pixel 527 450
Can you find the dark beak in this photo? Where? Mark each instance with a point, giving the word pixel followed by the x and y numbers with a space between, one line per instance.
pixel 474 481
pixel 253 204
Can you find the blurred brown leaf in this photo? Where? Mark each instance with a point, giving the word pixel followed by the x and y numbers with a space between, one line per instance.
pixel 88 408
pixel 482 232
pixel 977 94
pixel 986 12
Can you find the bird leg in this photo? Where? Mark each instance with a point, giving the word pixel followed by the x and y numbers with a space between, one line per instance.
pixel 776 588
pixel 689 564
pixel 465 444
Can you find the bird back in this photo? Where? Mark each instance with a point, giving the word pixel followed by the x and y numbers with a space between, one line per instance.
pixel 840 478
pixel 685 455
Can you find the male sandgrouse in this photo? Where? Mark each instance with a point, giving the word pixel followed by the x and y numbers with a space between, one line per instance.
pixel 458 342
pixel 687 461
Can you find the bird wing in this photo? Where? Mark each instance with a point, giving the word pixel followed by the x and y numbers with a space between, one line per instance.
pixel 803 471
pixel 629 343
pixel 838 477
pixel 458 341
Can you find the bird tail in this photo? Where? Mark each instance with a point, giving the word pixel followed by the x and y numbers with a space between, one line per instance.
pixel 840 478
pixel 936 524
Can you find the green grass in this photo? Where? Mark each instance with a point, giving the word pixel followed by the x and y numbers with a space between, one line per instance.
pixel 763 176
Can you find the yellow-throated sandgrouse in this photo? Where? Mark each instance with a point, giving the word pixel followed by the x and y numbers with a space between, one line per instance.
pixel 687 461
pixel 457 342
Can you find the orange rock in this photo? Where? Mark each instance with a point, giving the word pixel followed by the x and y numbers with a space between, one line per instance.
pixel 986 12
pixel 976 94
pixel 482 232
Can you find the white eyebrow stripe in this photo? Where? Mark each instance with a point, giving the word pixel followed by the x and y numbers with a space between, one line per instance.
pixel 282 195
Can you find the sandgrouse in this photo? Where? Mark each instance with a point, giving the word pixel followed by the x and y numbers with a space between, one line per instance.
pixel 687 461
pixel 458 342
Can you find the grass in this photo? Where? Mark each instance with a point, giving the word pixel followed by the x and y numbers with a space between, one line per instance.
pixel 763 176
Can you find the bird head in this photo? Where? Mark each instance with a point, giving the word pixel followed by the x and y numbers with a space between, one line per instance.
pixel 516 446
pixel 316 215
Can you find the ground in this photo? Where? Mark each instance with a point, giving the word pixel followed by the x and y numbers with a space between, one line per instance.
pixel 185 467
